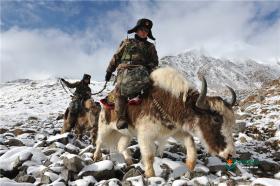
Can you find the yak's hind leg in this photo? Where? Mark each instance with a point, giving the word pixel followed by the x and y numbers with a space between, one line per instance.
pixel 122 148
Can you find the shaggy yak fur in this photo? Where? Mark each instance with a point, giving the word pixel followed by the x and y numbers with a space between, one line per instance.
pixel 171 108
pixel 87 120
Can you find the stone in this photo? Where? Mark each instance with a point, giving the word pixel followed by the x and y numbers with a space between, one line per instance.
pixel 32 118
pixel 132 172
pixel 19 131
pixel 40 137
pixel 240 127
pixel 49 177
pixel 13 142
pixel 242 139
pixel 71 148
pixel 73 162
pixel 245 155
pixel 269 166
pixel 215 164
pixel 25 178
pixel 40 144
pixel 201 181
pixel 50 151
pixel 86 181
pixel 99 170
pixel 3 130
pixel 61 138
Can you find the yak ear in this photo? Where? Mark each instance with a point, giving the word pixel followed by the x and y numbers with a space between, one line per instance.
pixel 201 100
pixel 233 97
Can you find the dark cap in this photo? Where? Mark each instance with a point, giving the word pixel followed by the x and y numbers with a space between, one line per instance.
pixel 86 76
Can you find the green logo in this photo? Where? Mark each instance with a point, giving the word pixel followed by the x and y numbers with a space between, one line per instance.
pixel 247 164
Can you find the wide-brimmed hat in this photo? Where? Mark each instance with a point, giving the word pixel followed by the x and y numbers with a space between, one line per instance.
pixel 146 23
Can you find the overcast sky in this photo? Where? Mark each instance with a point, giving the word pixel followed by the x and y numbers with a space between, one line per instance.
pixel 47 39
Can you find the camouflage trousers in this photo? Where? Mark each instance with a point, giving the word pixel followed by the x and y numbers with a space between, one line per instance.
pixel 132 81
pixel 75 106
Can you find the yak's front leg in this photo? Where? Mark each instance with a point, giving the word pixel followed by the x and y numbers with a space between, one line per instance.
pixel 122 148
pixel 191 152
pixel 147 147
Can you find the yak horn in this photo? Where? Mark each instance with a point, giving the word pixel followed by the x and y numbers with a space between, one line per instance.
pixel 201 100
pixel 233 96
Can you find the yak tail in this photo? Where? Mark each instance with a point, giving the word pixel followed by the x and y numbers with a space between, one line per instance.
pixel 66 113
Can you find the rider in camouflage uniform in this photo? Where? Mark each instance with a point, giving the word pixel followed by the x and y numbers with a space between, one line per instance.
pixel 81 94
pixel 135 59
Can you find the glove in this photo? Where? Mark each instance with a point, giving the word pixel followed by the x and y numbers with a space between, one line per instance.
pixel 108 76
pixel 63 80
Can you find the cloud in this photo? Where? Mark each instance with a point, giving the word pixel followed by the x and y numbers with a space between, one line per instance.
pixel 221 29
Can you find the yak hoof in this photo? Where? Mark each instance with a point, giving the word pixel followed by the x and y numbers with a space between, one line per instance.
pixel 191 165
pixel 97 157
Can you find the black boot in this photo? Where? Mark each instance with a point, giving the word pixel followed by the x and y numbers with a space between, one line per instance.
pixel 120 108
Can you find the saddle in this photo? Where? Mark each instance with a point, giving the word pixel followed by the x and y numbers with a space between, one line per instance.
pixel 109 101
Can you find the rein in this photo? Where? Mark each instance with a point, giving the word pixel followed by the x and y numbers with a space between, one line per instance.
pixel 101 89
pixel 62 84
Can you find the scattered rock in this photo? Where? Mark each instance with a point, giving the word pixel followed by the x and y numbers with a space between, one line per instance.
pixel 71 149
pixel 19 131
pixel 73 162
pixel 36 171
pixel 244 155
pixel 100 170
pixel 134 171
pixel 32 118
pixel 49 177
pixel 215 164
pixel 61 138
pixel 40 137
pixel 9 164
pixel 240 127
pixel 14 142
pixel 201 181
pixel 3 130
pixel 86 181
pixel 269 166
pixel 25 178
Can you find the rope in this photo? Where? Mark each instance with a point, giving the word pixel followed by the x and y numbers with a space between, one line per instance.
pixel 163 113
pixel 101 89
pixel 62 84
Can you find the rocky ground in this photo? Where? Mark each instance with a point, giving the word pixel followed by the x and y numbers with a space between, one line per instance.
pixel 33 152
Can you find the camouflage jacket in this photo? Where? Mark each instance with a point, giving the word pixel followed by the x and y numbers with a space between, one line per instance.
pixel 82 90
pixel 136 52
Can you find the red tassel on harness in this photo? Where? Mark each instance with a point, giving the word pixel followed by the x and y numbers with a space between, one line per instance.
pixel 110 106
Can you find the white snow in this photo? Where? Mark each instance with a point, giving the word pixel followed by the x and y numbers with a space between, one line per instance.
pixel 136 181
pixel 266 182
pixel 214 161
pixel 98 166
pixel 178 167
pixel 203 180
pixel 57 137
pixel 8 182
pixel 85 181
pixel 180 183
pixel 51 175
pixel 8 159
pixel 36 170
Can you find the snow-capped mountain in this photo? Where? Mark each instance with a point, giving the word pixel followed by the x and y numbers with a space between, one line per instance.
pixel 240 75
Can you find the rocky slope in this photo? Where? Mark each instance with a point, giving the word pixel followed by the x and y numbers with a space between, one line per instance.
pixel 240 75
pixel 32 152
